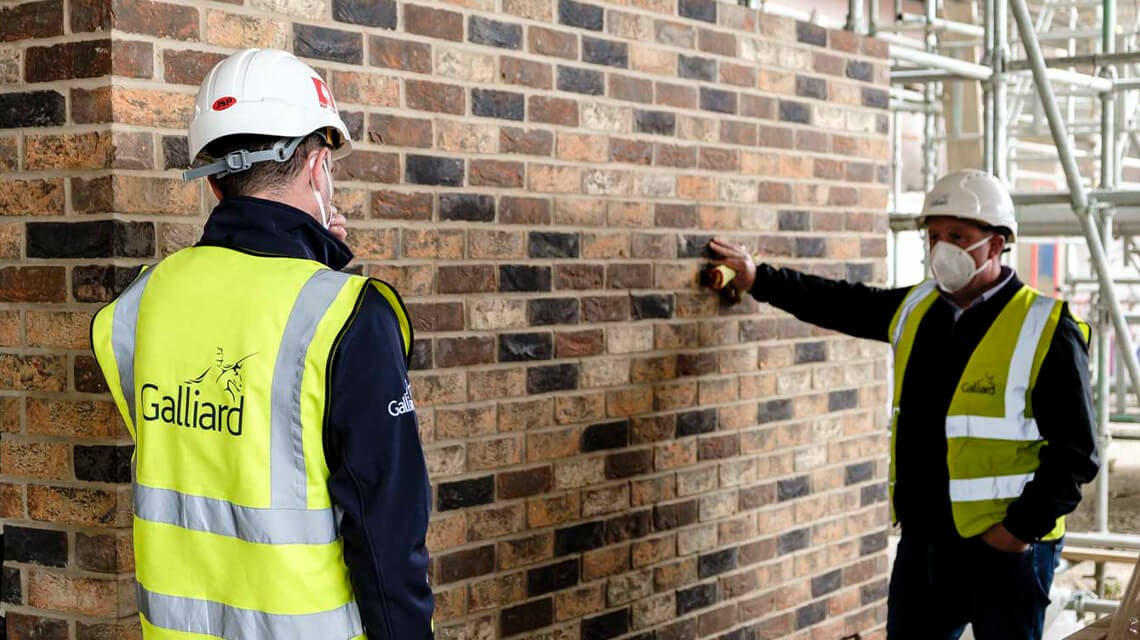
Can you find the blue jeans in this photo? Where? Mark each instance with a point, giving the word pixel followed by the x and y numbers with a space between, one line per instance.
pixel 938 587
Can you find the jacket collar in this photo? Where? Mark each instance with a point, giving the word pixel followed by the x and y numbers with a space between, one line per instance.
pixel 266 227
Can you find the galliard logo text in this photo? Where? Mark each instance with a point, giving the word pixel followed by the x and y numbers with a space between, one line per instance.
pixel 404 404
pixel 213 401
pixel 984 385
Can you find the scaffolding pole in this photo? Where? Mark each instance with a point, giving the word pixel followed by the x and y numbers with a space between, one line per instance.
pixel 1077 194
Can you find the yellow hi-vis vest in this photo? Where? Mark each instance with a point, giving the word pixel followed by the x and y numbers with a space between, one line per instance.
pixel 992 439
pixel 218 362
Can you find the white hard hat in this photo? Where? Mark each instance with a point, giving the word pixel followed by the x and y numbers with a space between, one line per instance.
pixel 264 92
pixel 972 195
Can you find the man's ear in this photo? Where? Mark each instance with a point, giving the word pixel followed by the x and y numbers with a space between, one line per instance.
pixel 213 182
pixel 997 245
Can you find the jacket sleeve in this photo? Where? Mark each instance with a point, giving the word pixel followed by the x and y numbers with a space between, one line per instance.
pixel 378 478
pixel 847 307
pixel 1063 407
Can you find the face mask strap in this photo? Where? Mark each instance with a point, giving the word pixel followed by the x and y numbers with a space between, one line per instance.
pixel 326 219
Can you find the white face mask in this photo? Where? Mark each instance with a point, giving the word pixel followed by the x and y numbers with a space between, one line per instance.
pixel 326 218
pixel 953 266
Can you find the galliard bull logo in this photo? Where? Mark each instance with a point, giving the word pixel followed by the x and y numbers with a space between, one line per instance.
pixel 188 407
pixel 984 385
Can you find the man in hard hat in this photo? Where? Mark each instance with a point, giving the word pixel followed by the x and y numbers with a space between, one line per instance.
pixel 280 489
pixel 992 433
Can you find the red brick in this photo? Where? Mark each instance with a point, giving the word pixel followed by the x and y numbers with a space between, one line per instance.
pixel 433 96
pixel 399 54
pixel 31 20
pixel 675 95
pixel 496 173
pixel 434 23
pixel 33 284
pixel 630 88
pixel 157 19
pixel 533 142
pixel 553 110
pixel 396 131
pixel 549 42
pixel 188 67
pixel 525 72
pixel 397 205
pixel 67 61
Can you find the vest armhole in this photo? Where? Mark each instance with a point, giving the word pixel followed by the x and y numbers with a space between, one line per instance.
pixel 402 316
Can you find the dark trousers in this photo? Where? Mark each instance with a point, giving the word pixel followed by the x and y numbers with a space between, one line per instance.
pixel 938 587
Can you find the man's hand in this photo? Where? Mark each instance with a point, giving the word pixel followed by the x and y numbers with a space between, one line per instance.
pixel 1001 539
pixel 336 225
pixel 737 258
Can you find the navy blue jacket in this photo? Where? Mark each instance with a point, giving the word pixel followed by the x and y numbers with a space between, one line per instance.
pixel 378 480
pixel 1062 397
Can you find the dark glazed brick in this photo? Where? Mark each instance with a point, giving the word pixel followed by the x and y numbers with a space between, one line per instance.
pixel 100 283
pixel 466 206
pixel 31 20
pixel 825 584
pixel 811 33
pixel 550 244
pixel 696 364
pixel 31 627
pixel 662 123
pixel 526 483
pixel 35 546
pixel 447 172
pixel 603 627
pixel 697 597
pixel 698 10
pixel 354 122
pixel 860 472
pixel 840 400
pixel 717 100
pixel 555 377
pixel 467 564
pixel 609 435
pixel 694 422
pixel 811 352
pixel 494 33
pixel 579 538
pixel 420 359
pixel 524 278
pixel 576 14
pixel 792 111
pixel 605 52
pixel 518 347
pixel 548 311
pixel 102 239
pixel 792 488
pixel 694 247
pixel 872 543
pixel 652 306
pixel 175 152
pixel 860 70
pixel 794 221
pixel 31 109
pixel 876 98
pixel 554 577
pixel 811 614
pixel 466 493
pixel 628 527
pixel 793 541
pixel 577 80
pixel 327 44
pixel 370 13
pixel 678 514
pixel 629 464
pixel 716 563
pixel 696 68
pixel 810 247
pixel 88 376
pixel 68 61
pixel 526 617
pixel 808 87
pixel 873 493
pixel 873 592
pixel 10 591
pixel 504 105
pixel 103 463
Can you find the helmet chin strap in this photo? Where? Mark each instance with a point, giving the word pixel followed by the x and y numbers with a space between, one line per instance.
pixel 325 217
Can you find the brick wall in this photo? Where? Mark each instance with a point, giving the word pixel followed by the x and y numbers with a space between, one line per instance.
pixel 615 454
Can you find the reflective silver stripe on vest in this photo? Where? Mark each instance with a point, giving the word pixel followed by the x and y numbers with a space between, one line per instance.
pixel 124 324
pixel 288 484
pixel 263 526
pixel 218 620
pixel 995 488
pixel 1015 425
pixel 911 301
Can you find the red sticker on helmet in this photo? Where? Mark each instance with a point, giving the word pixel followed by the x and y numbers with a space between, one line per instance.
pixel 324 96
pixel 222 104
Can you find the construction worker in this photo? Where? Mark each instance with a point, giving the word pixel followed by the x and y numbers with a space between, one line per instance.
pixel 280 488
pixel 992 433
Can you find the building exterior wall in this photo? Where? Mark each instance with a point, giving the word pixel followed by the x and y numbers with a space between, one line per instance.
pixel 614 452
